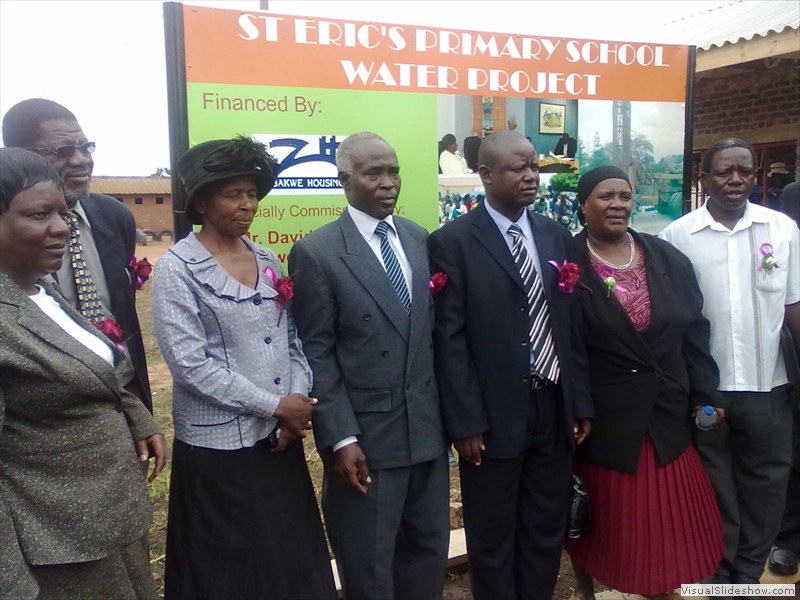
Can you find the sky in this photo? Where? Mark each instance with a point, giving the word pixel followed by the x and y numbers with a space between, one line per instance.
pixel 105 60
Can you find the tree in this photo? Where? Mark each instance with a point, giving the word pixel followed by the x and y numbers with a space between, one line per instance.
pixel 564 182
pixel 161 172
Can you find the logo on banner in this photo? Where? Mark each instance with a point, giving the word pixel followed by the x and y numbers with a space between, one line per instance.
pixel 307 163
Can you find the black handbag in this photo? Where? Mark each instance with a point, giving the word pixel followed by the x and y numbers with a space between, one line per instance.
pixel 580 509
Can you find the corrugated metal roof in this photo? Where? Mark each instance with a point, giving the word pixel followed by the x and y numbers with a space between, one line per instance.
pixel 112 186
pixel 732 21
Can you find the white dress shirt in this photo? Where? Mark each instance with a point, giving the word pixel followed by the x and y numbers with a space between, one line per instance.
pixel 53 310
pixel 452 163
pixel 744 303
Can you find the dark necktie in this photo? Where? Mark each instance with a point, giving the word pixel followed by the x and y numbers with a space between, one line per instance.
pixel 545 360
pixel 88 300
pixel 392 266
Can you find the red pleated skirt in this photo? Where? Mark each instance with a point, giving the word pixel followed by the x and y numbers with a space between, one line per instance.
pixel 651 530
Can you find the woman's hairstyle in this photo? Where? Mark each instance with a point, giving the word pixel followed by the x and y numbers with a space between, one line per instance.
pixel 21 169
pixel 724 144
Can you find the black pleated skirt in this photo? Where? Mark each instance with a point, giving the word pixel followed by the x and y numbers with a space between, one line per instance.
pixel 244 524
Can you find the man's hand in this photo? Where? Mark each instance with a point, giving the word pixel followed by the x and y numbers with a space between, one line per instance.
pixel 470 448
pixel 153 446
pixel 583 428
pixel 294 414
pixel 284 439
pixel 351 466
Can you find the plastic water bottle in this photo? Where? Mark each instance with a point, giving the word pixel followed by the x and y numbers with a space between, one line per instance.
pixel 705 418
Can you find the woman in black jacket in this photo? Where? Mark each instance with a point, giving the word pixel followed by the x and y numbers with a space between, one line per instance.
pixel 656 522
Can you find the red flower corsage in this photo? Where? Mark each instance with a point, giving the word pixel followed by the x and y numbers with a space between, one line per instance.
pixel 437 283
pixel 568 275
pixel 283 285
pixel 142 269
pixel 111 329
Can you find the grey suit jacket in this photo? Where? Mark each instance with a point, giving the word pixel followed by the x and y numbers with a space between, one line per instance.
pixel 372 362
pixel 71 485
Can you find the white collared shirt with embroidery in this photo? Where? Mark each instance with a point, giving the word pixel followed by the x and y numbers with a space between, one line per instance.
pixel 743 302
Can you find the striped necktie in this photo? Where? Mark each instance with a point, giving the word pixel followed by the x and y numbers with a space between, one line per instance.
pixel 543 347
pixel 392 266
pixel 88 300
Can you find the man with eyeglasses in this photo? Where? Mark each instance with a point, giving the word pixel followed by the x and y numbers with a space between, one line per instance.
pixel 95 275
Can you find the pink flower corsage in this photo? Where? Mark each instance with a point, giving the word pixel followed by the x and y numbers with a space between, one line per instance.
pixel 437 283
pixel 608 275
pixel 111 329
pixel 768 261
pixel 142 269
pixel 568 275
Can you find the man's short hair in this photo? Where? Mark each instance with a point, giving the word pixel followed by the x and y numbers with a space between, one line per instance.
pixel 21 169
pixel 344 162
pixel 22 124
pixel 449 139
pixel 724 144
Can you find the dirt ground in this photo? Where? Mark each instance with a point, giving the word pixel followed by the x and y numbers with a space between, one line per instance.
pixel 457 583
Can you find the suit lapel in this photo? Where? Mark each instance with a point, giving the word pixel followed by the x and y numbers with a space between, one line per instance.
pixel 489 236
pixel 546 249
pixel 41 326
pixel 417 256
pixel 367 269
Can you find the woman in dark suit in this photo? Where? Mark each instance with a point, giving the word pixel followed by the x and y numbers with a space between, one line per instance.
pixel 74 509
pixel 656 522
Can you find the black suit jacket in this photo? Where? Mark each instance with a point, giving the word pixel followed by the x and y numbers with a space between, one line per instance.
pixel 114 232
pixel 648 382
pixel 481 331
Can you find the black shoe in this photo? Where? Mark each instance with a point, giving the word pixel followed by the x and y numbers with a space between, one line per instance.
pixel 782 561
pixel 744 578
pixel 719 577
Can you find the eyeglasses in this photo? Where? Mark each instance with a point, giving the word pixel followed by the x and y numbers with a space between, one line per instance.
pixel 63 152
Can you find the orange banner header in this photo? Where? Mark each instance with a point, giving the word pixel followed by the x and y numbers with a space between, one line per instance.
pixel 258 48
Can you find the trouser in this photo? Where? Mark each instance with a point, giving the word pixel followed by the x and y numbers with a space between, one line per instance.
pixel 789 536
pixel 748 459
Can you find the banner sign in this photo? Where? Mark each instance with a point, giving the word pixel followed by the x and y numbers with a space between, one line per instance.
pixel 301 85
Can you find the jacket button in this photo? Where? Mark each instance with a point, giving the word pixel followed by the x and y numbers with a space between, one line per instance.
pixel 257 300
pixel 523 308
pixel 523 343
pixel 277 381
pixel 367 317
pixel 267 340
pixel 385 353
pixel 524 380
pixel 658 373
pixel 408 386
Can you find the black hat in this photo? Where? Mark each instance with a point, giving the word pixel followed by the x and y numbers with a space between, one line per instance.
pixel 590 179
pixel 216 160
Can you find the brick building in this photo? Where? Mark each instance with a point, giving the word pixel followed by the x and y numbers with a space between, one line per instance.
pixel 149 198
pixel 747 83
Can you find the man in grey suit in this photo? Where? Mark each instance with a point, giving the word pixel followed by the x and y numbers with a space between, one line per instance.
pixel 365 317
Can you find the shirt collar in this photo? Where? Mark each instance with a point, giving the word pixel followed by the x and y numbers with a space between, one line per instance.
pixel 78 208
pixel 752 214
pixel 366 224
pixel 503 222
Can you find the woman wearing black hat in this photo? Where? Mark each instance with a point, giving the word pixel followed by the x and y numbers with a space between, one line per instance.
pixel 656 523
pixel 243 518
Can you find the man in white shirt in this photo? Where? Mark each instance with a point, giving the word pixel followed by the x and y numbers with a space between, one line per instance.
pixel 364 313
pixel 747 261
pixel 450 161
